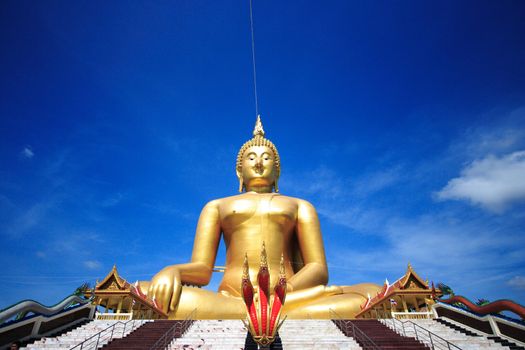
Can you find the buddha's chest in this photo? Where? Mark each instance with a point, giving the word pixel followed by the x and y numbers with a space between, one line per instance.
pixel 260 212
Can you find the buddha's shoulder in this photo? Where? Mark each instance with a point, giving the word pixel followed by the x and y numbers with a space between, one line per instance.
pixel 255 197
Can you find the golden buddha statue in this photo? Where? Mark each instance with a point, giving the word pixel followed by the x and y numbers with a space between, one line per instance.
pixel 287 226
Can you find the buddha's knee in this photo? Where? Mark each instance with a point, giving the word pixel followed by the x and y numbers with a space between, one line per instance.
pixel 144 286
pixel 205 304
pixel 337 306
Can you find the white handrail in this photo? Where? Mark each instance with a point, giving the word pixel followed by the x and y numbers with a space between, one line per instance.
pixel 412 315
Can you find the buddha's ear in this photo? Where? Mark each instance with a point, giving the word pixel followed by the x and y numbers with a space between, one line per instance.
pixel 277 174
pixel 239 176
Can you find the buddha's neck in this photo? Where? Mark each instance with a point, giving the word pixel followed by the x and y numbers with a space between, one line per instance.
pixel 259 189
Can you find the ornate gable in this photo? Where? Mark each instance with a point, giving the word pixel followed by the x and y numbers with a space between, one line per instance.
pixel 411 280
pixel 112 281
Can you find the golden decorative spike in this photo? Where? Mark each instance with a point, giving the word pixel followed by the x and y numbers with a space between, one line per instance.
pixel 264 262
pixel 245 267
pixel 281 267
pixel 258 129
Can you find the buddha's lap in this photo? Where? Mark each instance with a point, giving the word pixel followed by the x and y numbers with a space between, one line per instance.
pixel 315 302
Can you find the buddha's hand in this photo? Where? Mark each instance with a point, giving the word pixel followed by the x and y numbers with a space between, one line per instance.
pixel 166 287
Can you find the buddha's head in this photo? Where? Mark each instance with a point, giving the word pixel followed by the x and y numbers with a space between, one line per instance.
pixel 258 164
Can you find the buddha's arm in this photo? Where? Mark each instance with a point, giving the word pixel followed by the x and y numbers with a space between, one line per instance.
pixel 315 271
pixel 166 285
pixel 205 247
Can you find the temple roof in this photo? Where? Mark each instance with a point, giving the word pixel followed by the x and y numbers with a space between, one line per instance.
pixel 410 282
pixel 113 281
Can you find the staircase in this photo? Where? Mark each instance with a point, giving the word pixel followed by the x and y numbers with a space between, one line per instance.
pixel 69 339
pixel 506 344
pixel 464 339
pixel 314 334
pixel 384 337
pixel 494 341
pixel 212 334
pixel 456 327
pixel 144 337
pixel 293 335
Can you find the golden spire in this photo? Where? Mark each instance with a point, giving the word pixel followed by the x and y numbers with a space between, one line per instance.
pixel 258 129
pixel 245 267
pixel 264 262
pixel 281 267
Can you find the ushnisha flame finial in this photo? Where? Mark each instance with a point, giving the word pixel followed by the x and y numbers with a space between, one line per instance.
pixel 258 129
pixel 245 267
pixel 264 261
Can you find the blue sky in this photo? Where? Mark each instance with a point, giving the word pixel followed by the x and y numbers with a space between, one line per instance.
pixel 402 122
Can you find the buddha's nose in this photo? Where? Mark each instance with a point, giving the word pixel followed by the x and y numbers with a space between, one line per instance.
pixel 258 167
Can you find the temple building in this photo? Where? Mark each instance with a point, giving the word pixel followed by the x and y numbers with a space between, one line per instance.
pixel 408 297
pixel 121 300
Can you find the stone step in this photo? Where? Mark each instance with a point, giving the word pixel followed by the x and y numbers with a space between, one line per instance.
pixel 465 340
pixel 78 335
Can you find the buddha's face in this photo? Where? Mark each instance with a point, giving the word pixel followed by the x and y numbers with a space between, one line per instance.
pixel 258 167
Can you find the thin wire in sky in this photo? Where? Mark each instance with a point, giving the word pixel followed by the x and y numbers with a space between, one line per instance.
pixel 253 61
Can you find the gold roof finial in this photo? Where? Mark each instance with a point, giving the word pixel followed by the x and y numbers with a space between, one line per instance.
pixel 258 129
pixel 245 267
pixel 264 262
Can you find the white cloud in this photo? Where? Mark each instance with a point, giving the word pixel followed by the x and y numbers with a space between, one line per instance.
pixel 440 248
pixel 92 264
pixel 492 182
pixel 27 152
pixel 517 282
